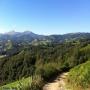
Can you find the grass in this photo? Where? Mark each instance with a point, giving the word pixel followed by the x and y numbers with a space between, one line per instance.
pixel 17 85
pixel 2 56
pixel 31 83
pixel 80 76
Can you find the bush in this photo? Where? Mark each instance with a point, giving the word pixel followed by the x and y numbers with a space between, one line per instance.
pixel 49 71
pixel 37 83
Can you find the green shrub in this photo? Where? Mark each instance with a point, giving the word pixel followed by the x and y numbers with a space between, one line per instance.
pixel 37 83
pixel 49 70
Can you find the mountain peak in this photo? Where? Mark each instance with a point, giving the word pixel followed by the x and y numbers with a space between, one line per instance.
pixel 26 32
pixel 13 32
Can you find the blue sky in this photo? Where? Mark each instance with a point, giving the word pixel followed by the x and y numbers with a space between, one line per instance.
pixel 45 16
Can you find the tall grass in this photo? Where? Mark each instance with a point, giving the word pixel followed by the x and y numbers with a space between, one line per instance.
pixel 80 76
pixel 30 83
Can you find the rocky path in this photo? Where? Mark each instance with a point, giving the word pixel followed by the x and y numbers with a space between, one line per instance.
pixel 58 84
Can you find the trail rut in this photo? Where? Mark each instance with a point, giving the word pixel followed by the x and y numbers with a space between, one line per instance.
pixel 57 84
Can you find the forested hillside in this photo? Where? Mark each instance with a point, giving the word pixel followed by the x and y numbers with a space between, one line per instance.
pixel 43 62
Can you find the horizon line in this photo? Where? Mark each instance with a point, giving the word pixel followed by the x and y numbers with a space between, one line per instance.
pixel 41 34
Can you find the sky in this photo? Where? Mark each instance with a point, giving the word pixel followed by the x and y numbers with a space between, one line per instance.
pixel 45 16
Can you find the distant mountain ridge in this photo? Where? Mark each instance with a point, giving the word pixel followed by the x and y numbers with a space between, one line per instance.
pixel 28 36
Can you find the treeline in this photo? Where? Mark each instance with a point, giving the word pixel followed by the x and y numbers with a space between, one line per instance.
pixel 43 60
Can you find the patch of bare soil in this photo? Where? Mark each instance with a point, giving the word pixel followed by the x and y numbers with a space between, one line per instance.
pixel 57 84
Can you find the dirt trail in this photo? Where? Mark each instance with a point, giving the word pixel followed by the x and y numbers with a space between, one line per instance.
pixel 58 84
